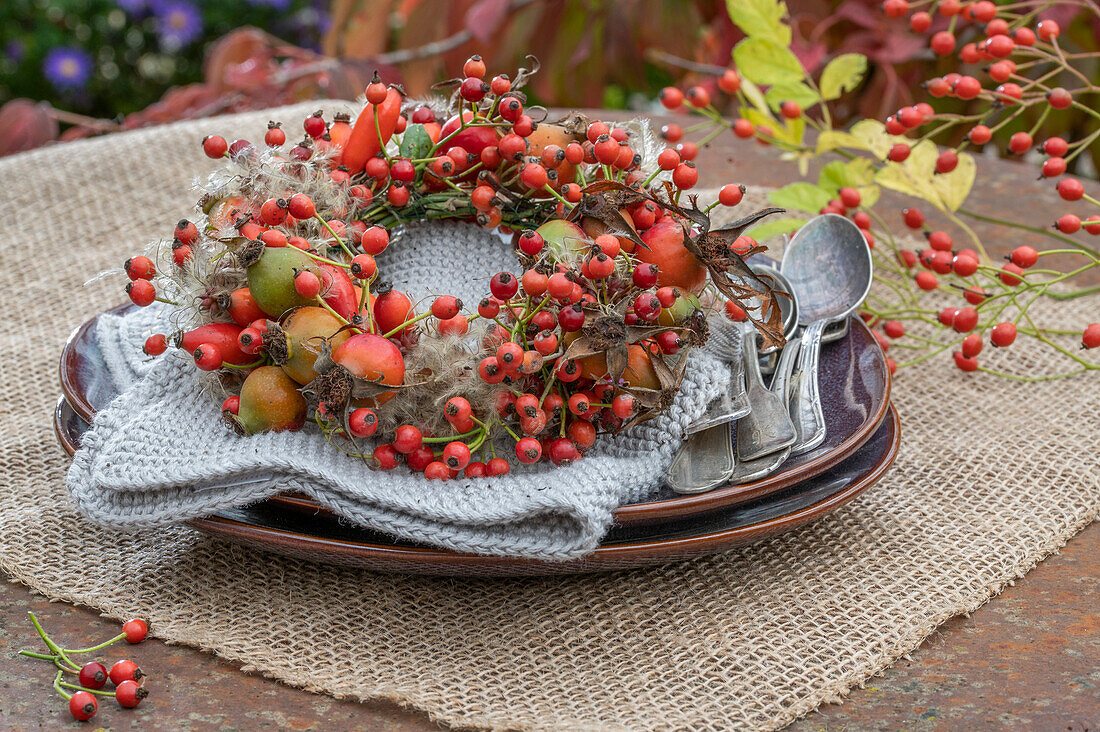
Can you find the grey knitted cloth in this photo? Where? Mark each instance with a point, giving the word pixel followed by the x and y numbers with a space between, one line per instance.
pixel 159 453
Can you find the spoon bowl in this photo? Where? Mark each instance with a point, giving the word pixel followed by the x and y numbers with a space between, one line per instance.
pixel 829 268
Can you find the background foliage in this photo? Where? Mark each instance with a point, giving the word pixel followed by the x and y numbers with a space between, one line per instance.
pixel 593 53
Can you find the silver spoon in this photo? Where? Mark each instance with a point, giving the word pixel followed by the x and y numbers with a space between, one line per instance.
pixel 704 462
pixel 747 471
pixel 767 428
pixel 829 267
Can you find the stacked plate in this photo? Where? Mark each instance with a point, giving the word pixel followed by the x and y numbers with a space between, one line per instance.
pixel 861 441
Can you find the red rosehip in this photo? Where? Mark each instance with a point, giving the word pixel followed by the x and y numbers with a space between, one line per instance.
pixel 731 194
pixel 141 292
pixel 926 281
pixel 1003 335
pixel 135 630
pixel 129 694
pixel 1024 256
pixel 123 670
pixel 1068 223
pixel 943 43
pixel 1070 189
pixel 386 456
pixel 913 217
pixel 1020 143
pixel 93 675
pixel 82 705
pixel 920 22
pixel 729 82
pixel 1090 337
pixel 1048 29
pixel 503 285
pixel 363 422
pixel 671 97
pixel 562 451
pixel 899 152
pixel 1053 167
pixel 214 146
pixel 1008 276
pixel 1056 146
pixel 1059 98
pixel 965 364
pixel 893 328
pixel 301 206
pixel 964 265
pixel 980 135
pixel 698 97
pixel 971 345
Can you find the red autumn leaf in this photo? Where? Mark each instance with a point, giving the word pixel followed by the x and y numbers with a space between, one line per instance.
pixel 25 125
pixel 483 18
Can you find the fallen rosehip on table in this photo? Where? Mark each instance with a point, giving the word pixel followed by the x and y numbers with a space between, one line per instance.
pixel 93 675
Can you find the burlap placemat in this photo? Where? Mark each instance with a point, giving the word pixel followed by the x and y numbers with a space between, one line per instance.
pixel 991 478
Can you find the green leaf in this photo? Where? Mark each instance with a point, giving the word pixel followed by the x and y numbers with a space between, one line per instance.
pixel 753 94
pixel 858 174
pixel 872 134
pixel 416 143
pixel 802 196
pixel 767 62
pixel 914 177
pixel 834 139
pixel 775 227
pixel 843 73
pixel 955 186
pixel 759 118
pixel 761 19
pixel 798 92
pixel 853 173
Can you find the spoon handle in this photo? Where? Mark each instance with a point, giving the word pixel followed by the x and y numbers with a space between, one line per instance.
pixel 750 356
pixel 805 400
pixel 782 377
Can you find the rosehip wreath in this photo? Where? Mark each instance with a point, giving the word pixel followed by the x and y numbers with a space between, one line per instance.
pixel 284 302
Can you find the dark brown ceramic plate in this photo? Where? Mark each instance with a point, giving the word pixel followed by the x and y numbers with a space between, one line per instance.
pixel 855 391
pixel 320 538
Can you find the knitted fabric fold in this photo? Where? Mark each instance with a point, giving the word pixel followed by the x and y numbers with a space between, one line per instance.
pixel 160 453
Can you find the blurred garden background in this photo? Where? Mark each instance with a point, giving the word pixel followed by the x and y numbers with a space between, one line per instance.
pixel 73 68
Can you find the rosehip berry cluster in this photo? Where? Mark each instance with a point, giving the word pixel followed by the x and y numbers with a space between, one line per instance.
pixel 1015 78
pixel 92 676
pixel 297 325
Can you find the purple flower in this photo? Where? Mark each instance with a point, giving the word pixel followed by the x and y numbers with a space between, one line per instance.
pixel 178 23
pixel 67 68
pixel 276 4
pixel 14 50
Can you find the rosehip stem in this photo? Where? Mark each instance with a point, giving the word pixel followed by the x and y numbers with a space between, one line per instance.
pixel 57 686
pixel 101 646
pixel 452 438
pixel 224 365
pixel 58 650
pixel 335 314
pixel 326 260
pixel 334 235
pixel 406 324
pixel 78 687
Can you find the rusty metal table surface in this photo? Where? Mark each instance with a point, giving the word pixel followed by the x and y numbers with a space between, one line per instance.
pixel 1030 659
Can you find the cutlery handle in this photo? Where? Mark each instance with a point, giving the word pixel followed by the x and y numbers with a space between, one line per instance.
pixel 805 400
pixel 750 357
pixel 781 380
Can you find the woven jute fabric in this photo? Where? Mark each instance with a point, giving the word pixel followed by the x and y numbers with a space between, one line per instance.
pixel 992 476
